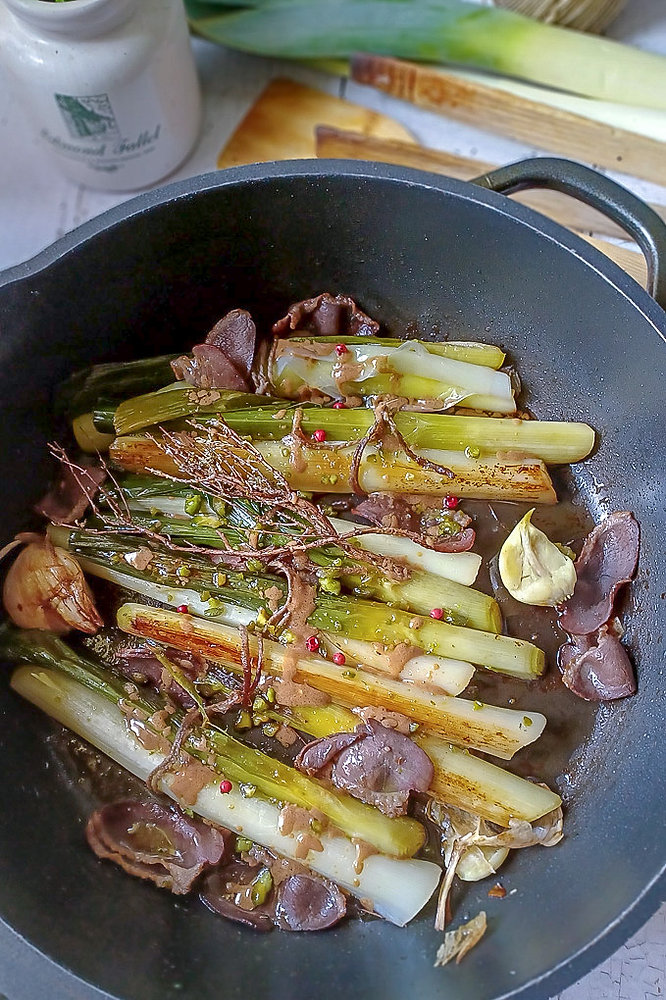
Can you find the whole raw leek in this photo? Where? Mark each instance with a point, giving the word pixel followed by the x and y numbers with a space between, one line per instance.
pixel 443 31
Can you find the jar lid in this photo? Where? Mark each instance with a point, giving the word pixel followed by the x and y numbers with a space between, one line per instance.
pixel 73 18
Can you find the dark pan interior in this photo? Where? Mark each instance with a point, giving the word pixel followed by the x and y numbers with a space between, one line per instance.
pixel 418 252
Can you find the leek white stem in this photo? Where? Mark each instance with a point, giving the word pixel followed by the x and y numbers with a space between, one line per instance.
pixel 408 370
pixel 461 567
pixel 649 122
pixel 450 32
pixel 448 675
pixel 398 889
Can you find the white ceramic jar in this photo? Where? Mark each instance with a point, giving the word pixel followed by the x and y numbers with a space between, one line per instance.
pixel 111 85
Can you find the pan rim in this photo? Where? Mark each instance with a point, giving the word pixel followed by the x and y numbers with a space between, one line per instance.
pixel 322 169
pixel 648 901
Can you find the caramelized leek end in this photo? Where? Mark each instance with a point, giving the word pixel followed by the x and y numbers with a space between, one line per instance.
pixel 460 779
pixel 397 888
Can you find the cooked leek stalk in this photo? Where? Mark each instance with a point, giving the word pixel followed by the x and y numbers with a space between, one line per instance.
pixel 117 380
pixel 343 616
pixel 478 786
pixel 553 441
pixel 365 370
pixel 458 350
pixel 444 31
pixel 533 569
pixel 443 673
pixel 88 437
pixel 398 889
pixel 419 592
pixel 159 497
pixel 499 731
pixel 174 401
pixel 449 676
pixel 389 472
pixel 459 567
pixel 460 779
pixel 400 837
pixel 325 470
pixel 175 597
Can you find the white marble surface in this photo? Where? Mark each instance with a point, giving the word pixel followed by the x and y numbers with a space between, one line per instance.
pixel 37 205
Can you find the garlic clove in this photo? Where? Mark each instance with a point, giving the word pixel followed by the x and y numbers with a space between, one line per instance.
pixel 45 589
pixel 533 569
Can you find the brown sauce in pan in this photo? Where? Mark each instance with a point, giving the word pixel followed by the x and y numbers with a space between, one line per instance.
pixel 570 720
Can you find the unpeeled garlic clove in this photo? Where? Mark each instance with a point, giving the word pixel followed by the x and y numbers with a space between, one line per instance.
pixel 45 588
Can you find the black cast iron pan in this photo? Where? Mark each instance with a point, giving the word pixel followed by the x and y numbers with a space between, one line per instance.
pixel 418 251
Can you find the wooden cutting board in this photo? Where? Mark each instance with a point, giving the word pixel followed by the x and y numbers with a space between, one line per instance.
pixel 281 123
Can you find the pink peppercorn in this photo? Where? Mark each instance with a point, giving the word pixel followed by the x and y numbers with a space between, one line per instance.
pixel 225 786
pixel 312 644
pixel 437 613
pixel 339 659
pixel 319 435
pixel 340 349
pixel 183 609
pixel 339 405
pixel 451 502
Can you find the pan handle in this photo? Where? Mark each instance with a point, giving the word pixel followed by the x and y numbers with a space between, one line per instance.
pixel 609 198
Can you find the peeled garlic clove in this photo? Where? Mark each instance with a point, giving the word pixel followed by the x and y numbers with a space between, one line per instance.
pixel 533 569
pixel 480 862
